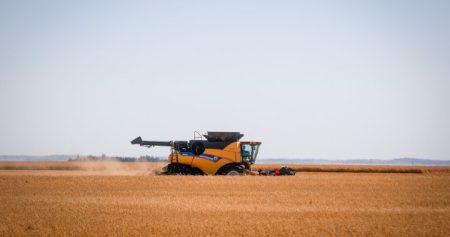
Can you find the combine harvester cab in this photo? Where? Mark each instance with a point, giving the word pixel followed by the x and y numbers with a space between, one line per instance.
pixel 222 153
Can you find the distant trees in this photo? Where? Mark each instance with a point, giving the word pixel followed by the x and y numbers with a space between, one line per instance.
pixel 103 157
pixel 149 159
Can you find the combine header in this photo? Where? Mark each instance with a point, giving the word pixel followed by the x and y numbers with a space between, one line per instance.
pixel 220 154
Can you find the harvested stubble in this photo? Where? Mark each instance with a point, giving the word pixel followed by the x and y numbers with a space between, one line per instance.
pixel 80 168
pixel 324 204
pixel 89 165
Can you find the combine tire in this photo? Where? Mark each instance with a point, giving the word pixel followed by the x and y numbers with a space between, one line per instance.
pixel 235 171
pixel 178 169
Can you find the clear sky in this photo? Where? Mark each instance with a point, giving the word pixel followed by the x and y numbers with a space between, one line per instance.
pixel 310 79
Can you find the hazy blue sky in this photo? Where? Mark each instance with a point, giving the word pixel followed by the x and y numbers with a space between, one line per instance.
pixel 310 79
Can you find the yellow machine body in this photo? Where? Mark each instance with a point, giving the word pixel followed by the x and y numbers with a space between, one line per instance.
pixel 222 153
pixel 212 159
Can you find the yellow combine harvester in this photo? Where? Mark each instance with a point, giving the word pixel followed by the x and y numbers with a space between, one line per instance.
pixel 220 154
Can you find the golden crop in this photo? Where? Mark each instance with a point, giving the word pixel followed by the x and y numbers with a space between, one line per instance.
pixel 149 168
pixel 101 203
pixel 357 168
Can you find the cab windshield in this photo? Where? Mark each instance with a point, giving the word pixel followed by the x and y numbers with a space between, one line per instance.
pixel 249 152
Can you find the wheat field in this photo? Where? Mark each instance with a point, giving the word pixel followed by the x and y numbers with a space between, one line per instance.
pixel 99 202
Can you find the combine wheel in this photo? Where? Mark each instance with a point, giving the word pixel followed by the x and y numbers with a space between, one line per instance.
pixel 235 171
pixel 178 169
